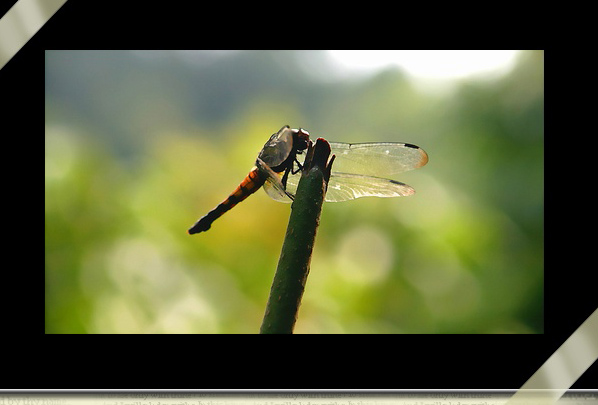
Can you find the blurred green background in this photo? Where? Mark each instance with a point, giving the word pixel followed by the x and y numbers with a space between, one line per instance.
pixel 140 144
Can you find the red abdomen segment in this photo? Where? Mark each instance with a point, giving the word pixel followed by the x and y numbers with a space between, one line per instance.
pixel 248 186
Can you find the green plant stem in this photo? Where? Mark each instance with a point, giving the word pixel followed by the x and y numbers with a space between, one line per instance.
pixel 293 265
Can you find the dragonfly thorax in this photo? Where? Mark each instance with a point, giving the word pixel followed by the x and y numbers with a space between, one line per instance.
pixel 282 147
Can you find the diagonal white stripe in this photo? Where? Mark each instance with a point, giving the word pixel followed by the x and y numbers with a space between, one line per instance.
pixel 21 23
pixel 563 368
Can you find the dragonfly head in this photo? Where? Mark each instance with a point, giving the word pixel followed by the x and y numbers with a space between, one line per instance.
pixel 300 139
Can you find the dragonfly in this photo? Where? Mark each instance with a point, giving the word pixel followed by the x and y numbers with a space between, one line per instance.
pixel 355 173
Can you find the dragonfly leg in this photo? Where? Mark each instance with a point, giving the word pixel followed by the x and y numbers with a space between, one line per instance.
pixel 286 176
pixel 299 167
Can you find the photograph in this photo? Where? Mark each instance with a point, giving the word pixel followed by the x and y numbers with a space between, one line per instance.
pixel 433 213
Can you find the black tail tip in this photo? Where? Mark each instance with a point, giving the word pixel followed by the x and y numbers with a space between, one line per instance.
pixel 198 227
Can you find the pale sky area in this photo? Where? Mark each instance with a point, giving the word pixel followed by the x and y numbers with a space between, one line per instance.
pixel 427 64
pixel 430 71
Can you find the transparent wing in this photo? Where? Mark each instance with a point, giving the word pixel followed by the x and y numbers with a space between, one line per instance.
pixel 273 185
pixel 278 147
pixel 356 171
pixel 378 158
pixel 276 194
pixel 345 186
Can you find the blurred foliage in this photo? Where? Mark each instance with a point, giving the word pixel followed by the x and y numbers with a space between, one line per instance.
pixel 141 144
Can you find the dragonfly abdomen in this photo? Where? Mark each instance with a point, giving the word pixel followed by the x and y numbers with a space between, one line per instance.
pixel 248 186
